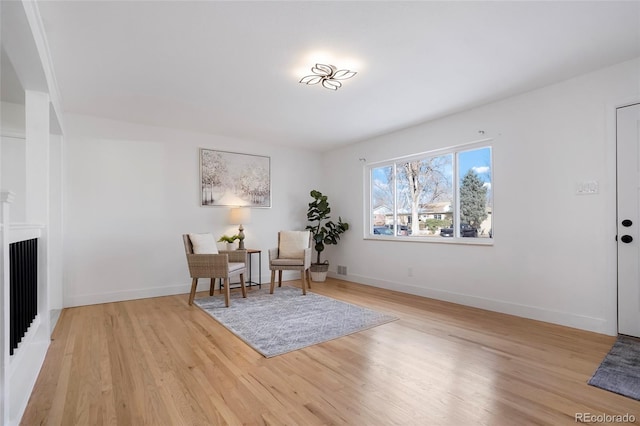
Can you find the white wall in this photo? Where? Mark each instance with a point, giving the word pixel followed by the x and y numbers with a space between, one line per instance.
pixel 554 253
pixel 12 119
pixel 13 147
pixel 13 174
pixel 56 230
pixel 131 191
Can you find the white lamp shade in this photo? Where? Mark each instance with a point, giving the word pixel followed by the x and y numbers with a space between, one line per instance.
pixel 239 216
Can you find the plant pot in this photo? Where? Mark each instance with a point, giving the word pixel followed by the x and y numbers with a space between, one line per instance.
pixel 319 272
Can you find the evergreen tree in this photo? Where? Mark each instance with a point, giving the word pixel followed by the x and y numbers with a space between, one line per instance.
pixel 473 200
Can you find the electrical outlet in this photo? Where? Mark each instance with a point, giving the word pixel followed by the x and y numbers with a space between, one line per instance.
pixel 342 270
pixel 409 272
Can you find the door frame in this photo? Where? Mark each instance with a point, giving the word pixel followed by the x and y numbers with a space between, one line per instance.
pixel 611 304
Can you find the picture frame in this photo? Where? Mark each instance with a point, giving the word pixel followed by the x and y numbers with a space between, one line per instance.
pixel 232 179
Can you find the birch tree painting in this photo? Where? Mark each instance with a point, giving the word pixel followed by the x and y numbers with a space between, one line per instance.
pixel 233 179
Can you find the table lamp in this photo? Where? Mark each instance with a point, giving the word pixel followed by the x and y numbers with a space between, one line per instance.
pixel 240 216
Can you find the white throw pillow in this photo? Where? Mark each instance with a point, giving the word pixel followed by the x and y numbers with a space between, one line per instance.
pixel 203 244
pixel 292 244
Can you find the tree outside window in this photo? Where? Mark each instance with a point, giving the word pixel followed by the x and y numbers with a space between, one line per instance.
pixel 417 197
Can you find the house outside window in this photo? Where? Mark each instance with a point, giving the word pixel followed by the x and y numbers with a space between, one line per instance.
pixel 422 197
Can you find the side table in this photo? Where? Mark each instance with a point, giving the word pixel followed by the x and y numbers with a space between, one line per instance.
pixel 251 252
pixel 249 281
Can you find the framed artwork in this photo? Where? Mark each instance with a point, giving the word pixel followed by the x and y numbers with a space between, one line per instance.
pixel 234 179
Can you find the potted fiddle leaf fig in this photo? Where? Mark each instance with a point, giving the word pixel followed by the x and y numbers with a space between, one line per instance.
pixel 323 232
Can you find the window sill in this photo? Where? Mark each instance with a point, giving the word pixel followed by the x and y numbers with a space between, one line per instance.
pixel 435 240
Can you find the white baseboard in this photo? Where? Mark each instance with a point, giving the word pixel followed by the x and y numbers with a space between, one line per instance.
pixel 568 319
pixel 55 316
pixel 144 293
pixel 120 296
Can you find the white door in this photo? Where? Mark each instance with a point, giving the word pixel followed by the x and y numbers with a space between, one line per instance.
pixel 628 153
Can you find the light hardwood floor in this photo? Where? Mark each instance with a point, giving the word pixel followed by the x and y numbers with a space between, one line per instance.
pixel 159 361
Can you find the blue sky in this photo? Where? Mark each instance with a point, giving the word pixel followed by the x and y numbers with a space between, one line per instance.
pixel 479 160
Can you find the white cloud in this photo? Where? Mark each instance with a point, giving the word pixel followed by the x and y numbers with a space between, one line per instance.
pixel 480 170
pixel 487 185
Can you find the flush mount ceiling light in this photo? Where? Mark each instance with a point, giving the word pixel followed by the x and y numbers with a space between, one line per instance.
pixel 328 75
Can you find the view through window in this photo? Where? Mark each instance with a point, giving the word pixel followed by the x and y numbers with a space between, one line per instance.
pixel 440 195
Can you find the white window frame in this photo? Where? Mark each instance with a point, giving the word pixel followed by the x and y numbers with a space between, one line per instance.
pixel 454 151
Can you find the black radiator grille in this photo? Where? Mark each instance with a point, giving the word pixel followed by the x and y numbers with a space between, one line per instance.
pixel 23 290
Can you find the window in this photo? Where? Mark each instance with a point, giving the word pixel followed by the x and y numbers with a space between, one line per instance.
pixel 437 196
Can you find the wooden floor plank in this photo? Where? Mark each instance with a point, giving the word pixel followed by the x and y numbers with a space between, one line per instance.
pixel 160 361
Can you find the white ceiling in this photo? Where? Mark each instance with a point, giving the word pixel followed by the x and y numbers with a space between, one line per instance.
pixel 232 67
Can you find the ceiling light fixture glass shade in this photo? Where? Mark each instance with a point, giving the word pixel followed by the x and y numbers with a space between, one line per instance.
pixel 328 75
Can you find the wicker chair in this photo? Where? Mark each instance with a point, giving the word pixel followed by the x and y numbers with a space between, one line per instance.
pixel 292 254
pixel 224 265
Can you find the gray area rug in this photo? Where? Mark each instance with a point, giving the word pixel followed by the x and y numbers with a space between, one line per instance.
pixel 620 370
pixel 285 321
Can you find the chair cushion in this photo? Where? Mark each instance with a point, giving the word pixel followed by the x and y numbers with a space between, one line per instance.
pixel 292 244
pixel 234 266
pixel 287 262
pixel 203 244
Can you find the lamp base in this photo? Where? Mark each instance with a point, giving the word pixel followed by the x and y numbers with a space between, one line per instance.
pixel 241 237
